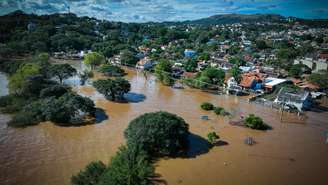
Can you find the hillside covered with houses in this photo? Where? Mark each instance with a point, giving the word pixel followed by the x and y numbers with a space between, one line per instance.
pixel 255 55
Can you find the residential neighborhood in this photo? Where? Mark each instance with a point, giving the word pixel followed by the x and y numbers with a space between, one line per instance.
pixel 163 92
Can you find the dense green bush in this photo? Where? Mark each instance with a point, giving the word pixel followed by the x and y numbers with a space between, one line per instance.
pixel 212 137
pixel 219 111
pixel 91 175
pixel 207 106
pixel 160 133
pixel 130 166
pixel 255 122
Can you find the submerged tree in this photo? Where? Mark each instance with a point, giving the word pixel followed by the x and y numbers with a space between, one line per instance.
pixel 60 110
pixel 130 166
pixel 255 122
pixel 163 72
pixel 113 89
pixel 94 59
pixel 158 133
pixel 90 175
pixel 212 137
pixel 128 58
pixel 19 80
pixel 207 106
pixel 111 70
pixel 62 71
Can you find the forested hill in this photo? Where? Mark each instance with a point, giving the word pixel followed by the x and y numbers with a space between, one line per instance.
pixel 22 33
pixel 237 18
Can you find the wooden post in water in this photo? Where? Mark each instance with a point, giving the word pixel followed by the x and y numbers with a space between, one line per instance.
pixel 281 114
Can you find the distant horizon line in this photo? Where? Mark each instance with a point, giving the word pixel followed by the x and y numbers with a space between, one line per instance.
pixel 177 21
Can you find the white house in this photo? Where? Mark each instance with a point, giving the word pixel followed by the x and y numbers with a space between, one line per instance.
pixel 294 98
pixel 315 65
pixel 145 63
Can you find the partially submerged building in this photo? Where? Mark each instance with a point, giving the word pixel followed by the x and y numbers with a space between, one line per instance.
pixel 252 80
pixel 145 63
pixel 298 99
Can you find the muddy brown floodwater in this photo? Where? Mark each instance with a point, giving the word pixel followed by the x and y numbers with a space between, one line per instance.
pixel 294 152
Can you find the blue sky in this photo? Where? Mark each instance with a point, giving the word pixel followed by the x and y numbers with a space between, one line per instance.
pixel 168 10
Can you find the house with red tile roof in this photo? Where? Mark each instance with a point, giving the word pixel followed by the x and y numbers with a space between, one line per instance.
pixel 252 80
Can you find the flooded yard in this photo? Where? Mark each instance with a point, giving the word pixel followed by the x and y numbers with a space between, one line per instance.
pixel 294 152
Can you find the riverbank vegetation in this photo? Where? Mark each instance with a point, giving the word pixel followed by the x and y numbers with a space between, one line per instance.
pixel 148 136
pixel 35 95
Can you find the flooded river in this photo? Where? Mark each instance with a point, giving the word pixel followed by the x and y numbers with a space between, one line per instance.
pixel 294 152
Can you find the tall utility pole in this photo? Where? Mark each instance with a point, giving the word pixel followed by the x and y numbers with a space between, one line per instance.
pixel 68 9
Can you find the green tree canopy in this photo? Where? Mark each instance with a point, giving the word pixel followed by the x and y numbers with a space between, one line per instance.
pixel 163 72
pixel 236 73
pixel 237 61
pixel 320 79
pixel 298 69
pixel 160 133
pixel 90 175
pixel 19 80
pixel 62 71
pixel 212 137
pixel 130 166
pixel 94 59
pixel 255 122
pixel 128 58
pixel 261 44
pixel 111 70
pixel 204 56
pixel 61 110
pixel 113 89
pixel 191 65
pixel 216 76
pixel 207 106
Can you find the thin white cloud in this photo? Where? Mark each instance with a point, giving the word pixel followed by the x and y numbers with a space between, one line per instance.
pixel 151 10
